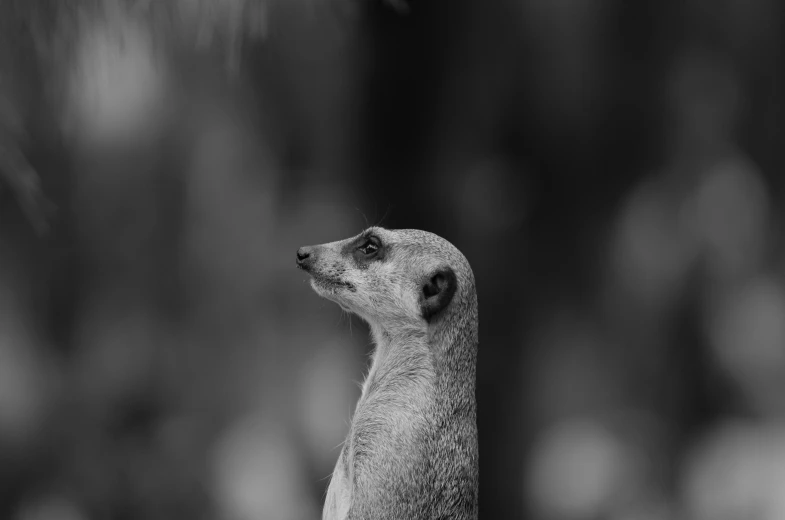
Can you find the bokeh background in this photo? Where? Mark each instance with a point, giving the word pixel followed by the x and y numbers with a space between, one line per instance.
pixel 612 170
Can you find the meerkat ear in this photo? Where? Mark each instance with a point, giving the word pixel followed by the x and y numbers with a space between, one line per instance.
pixel 437 291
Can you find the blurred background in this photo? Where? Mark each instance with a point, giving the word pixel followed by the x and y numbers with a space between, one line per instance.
pixel 611 169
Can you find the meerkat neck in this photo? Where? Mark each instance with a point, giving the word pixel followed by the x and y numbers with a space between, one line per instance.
pixel 411 356
pixel 399 359
pixel 454 348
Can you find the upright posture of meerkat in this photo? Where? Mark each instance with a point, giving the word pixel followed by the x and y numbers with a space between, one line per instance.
pixel 411 453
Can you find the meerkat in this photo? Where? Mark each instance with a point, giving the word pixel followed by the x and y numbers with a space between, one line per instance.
pixel 411 452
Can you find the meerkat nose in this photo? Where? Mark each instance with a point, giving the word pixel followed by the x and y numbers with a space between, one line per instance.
pixel 303 254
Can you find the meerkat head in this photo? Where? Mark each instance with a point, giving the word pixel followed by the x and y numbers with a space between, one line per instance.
pixel 389 276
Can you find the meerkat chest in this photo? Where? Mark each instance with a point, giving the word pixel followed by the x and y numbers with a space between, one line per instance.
pixel 381 438
pixel 384 446
pixel 338 499
pixel 395 404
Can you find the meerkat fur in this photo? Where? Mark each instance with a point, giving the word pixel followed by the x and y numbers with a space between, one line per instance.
pixel 411 452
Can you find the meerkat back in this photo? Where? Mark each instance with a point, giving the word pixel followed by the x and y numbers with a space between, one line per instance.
pixel 411 452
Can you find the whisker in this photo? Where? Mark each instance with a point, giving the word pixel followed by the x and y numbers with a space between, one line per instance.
pixel 365 217
pixel 386 213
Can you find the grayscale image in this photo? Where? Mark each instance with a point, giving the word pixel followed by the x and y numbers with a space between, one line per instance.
pixel 392 260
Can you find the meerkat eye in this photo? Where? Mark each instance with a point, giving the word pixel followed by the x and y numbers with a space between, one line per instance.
pixel 370 246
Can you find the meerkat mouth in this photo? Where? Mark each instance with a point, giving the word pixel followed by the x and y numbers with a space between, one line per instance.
pixel 331 284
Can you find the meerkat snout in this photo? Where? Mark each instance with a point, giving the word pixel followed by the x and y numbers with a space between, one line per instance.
pixel 304 257
pixel 412 448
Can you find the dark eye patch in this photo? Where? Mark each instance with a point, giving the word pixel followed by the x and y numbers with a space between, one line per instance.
pixel 365 249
